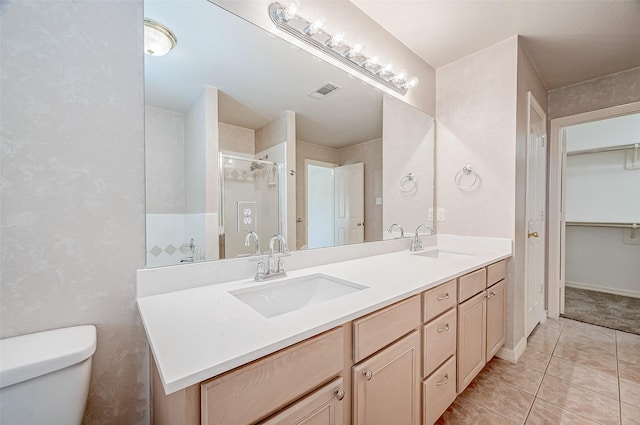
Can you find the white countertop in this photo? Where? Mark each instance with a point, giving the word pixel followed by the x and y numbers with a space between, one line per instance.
pixel 198 333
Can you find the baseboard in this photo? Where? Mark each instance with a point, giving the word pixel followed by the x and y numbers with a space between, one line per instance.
pixel 605 289
pixel 513 354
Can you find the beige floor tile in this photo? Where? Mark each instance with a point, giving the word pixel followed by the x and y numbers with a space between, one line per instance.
pixel 585 377
pixel 629 371
pixel 630 414
pixel 630 392
pixel 544 413
pixel 543 339
pixel 552 323
pixel 516 375
pixel 579 400
pixel 499 397
pixel 537 360
pixel 592 356
pixel 465 412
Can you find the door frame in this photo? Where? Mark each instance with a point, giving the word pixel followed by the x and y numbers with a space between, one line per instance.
pixel 556 217
pixel 534 106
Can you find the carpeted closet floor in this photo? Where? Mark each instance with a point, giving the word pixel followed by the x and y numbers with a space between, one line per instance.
pixel 598 308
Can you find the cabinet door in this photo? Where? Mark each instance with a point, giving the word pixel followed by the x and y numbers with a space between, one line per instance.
pixel 496 309
pixel 386 387
pixel 322 407
pixel 472 322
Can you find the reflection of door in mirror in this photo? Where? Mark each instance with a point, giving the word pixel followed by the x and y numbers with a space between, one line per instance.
pixel 335 204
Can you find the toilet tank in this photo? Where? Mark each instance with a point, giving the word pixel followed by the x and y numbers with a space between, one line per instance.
pixel 44 376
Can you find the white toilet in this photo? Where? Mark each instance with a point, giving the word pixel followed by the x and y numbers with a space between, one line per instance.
pixel 44 376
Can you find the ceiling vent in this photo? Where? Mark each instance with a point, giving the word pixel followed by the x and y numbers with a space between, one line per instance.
pixel 324 91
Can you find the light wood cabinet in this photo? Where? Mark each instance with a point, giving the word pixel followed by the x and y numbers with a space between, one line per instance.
pixel 439 299
pixel 322 407
pixel 438 341
pixel 439 391
pixel 496 310
pixel 386 386
pixel 254 391
pixel 472 355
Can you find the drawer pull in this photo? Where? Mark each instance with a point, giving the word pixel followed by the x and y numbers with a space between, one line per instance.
pixel 445 297
pixel 367 374
pixel 339 392
pixel 445 329
pixel 444 381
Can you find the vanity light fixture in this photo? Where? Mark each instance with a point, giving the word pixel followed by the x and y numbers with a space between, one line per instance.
pixel 314 33
pixel 158 39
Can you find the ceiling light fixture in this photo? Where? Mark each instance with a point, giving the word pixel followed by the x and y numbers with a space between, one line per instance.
pixel 315 34
pixel 158 39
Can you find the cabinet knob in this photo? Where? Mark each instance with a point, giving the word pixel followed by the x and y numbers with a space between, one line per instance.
pixel 444 381
pixel 445 329
pixel 339 392
pixel 445 297
pixel 367 374
pixel 491 294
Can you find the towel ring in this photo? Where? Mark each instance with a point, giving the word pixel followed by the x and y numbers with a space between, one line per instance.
pixel 408 183
pixel 466 171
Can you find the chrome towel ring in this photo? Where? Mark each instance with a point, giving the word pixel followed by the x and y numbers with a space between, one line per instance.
pixel 466 171
pixel 408 183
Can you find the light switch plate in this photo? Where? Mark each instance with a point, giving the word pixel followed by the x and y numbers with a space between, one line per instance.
pixel 440 214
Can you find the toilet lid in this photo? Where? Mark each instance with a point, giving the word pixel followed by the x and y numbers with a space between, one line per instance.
pixel 29 356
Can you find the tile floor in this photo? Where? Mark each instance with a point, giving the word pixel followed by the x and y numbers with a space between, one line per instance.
pixel 571 373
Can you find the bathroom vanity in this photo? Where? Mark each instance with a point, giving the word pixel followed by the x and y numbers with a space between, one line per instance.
pixel 413 333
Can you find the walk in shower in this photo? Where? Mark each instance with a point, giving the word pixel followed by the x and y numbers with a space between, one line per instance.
pixel 251 200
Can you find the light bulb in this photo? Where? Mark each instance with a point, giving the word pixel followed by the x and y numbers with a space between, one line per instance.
pixel 336 40
pixel 401 75
pixel 412 82
pixel 355 51
pixel 387 69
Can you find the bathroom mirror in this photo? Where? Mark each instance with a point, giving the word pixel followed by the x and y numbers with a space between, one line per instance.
pixel 245 132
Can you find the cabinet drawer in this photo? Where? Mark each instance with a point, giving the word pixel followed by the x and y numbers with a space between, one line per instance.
pixel 251 392
pixel 439 341
pixel 439 299
pixel 496 272
pixel 472 283
pixel 439 391
pixel 379 329
pixel 323 406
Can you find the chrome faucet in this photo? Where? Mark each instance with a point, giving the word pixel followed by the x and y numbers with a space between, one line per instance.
pixel 416 242
pixel 275 264
pixel 256 239
pixel 399 227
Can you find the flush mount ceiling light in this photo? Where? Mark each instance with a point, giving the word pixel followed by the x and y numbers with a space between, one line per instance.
pixel 158 39
pixel 287 19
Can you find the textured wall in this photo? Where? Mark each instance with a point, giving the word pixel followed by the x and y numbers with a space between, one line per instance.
pixel 236 139
pixel 611 90
pixel 73 186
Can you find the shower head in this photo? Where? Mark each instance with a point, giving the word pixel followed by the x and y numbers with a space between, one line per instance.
pixel 256 166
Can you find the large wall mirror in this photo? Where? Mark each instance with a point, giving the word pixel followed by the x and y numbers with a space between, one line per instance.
pixel 247 136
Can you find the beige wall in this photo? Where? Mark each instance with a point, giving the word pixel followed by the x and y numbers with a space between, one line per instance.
pixel 611 90
pixel 481 121
pixel 236 139
pixel 73 186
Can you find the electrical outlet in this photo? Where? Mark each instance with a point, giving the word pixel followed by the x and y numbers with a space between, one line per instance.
pixel 430 214
pixel 440 214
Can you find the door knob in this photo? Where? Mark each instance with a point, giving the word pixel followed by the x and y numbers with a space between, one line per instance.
pixel 532 235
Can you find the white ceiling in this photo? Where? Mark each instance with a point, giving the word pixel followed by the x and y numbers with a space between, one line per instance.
pixel 568 41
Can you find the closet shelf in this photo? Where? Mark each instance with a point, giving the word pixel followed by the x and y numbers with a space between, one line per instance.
pixel 607 149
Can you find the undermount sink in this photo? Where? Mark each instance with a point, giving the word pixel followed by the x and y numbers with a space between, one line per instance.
pixel 282 296
pixel 443 255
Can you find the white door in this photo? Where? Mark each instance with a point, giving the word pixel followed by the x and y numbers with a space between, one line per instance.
pixel 320 209
pixel 535 215
pixel 349 203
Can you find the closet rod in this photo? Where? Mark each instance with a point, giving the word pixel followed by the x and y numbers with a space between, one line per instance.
pixel 610 149
pixel 590 224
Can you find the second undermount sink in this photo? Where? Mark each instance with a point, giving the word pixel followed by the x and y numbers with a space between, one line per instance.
pixel 443 255
pixel 282 296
